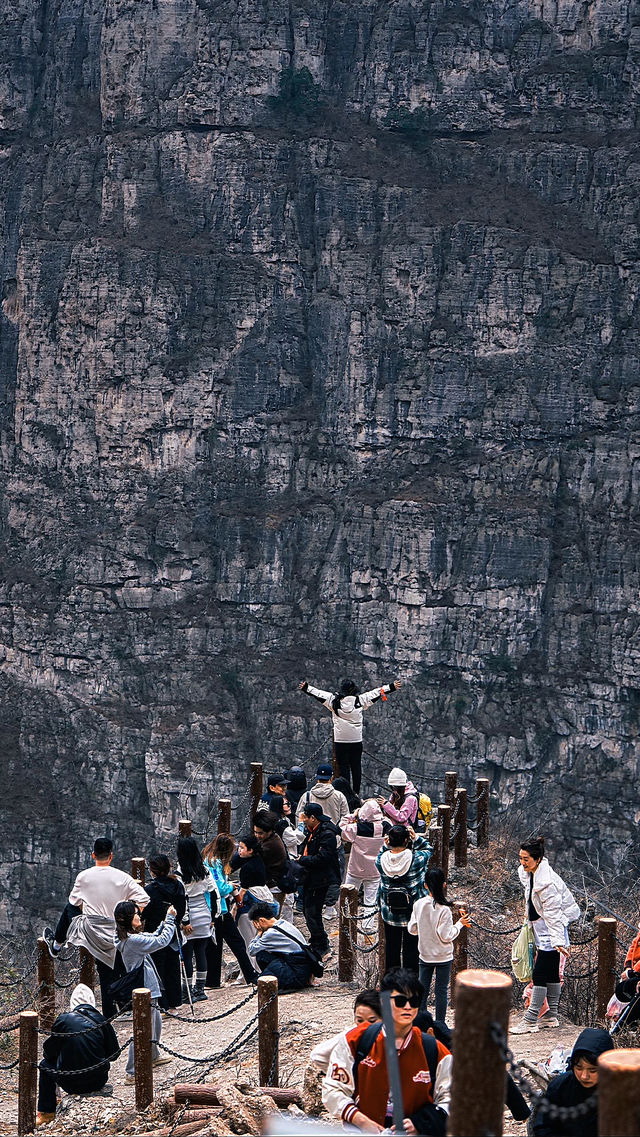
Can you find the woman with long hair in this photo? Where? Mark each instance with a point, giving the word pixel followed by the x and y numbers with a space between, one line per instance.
pixel 253 884
pixel 549 909
pixel 135 947
pixel 217 858
pixel 165 890
pixel 431 921
pixel 202 908
pixel 346 707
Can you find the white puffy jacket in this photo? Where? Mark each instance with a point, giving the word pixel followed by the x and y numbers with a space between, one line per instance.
pixel 347 722
pixel 552 899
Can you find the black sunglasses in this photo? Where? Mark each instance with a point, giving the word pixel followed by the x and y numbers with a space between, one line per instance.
pixel 402 1000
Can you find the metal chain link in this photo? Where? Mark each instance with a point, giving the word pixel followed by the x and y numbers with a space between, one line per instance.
pixel 11 1065
pixel 235 1043
pixel 87 1030
pixel 539 1102
pixel 497 931
pixel 98 1065
pixel 215 1018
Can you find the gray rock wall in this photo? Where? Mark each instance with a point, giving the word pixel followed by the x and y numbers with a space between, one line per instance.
pixel 288 392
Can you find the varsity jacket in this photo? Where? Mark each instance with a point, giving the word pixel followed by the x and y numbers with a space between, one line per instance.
pixel 347 722
pixel 632 962
pixel 425 1104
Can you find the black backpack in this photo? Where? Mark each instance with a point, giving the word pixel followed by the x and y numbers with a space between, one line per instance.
pixel 368 1037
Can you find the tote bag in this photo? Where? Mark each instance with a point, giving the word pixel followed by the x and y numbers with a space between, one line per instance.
pixel 522 954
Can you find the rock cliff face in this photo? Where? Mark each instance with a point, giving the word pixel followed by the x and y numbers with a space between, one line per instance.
pixel 334 375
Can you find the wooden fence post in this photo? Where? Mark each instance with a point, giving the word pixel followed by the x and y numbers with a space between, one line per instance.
pixel 256 787
pixel 46 986
pixel 460 829
pixel 619 1093
pixel 347 932
pixel 87 970
pixel 382 949
pixel 435 836
pixel 444 821
pixel 224 815
pixel 460 954
pixel 137 869
pixel 479 1084
pixel 184 827
pixel 142 1056
pixel 450 784
pixel 268 1030
pixel 28 1071
pixel 607 928
pixel 482 814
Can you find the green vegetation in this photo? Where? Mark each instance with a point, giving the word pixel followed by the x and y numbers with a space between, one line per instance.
pixel 299 94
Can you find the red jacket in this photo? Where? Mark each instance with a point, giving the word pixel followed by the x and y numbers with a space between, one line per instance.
pixel 633 955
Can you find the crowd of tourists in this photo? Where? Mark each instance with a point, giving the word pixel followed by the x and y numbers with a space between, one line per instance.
pixel 306 839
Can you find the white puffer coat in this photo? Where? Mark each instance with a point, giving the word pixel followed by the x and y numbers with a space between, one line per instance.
pixel 552 899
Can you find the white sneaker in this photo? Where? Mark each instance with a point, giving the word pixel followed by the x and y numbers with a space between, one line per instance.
pixel 524 1027
pixel 330 913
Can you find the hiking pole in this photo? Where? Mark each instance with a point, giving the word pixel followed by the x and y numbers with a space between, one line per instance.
pixel 183 974
pixel 393 1067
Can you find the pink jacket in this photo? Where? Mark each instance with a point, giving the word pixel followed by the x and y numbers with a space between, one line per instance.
pixel 364 850
pixel 407 813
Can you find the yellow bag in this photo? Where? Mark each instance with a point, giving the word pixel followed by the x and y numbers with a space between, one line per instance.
pixel 522 954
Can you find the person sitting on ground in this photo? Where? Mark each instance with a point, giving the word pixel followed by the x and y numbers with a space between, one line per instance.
pixel 253 887
pixel 296 786
pixel 402 866
pixel 575 1087
pixel 87 919
pixel 365 831
pixel 402 806
pixel 346 712
pixel 135 947
pixel 216 856
pixel 431 921
pixel 280 950
pixel 358 1091
pixel 366 1009
pixel 276 787
pixel 165 891
pixel 73 1045
pixel 319 862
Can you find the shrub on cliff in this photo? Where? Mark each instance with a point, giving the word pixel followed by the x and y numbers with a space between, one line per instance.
pixel 299 94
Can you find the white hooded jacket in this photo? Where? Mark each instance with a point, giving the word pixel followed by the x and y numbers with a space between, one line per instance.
pixel 347 722
pixel 552 899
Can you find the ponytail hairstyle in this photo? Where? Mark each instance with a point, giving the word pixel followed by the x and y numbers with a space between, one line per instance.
pixel 190 861
pixel 534 847
pixel 123 914
pixel 435 882
pixel 347 687
pixel 160 865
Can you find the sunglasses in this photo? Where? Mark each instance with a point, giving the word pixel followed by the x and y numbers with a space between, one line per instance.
pixel 402 1000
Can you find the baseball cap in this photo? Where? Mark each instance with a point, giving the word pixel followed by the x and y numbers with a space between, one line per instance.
pixel 324 772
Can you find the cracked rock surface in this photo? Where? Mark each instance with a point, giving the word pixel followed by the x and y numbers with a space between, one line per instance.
pixel 351 388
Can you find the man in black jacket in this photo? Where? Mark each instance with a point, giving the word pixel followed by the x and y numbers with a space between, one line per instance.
pixel 81 1037
pixel 319 862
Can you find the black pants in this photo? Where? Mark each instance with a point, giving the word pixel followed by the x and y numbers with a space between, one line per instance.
pixel 313 902
pixel 62 927
pixel 167 964
pixel 108 975
pixel 197 947
pixel 292 970
pixel 349 762
pixel 401 949
pixel 546 968
pixel 81 1084
pixel 227 932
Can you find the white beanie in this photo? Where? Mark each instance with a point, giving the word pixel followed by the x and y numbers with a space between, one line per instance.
pixel 80 995
pixel 397 777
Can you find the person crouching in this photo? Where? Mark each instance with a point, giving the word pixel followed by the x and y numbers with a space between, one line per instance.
pixel 74 1045
pixel 280 949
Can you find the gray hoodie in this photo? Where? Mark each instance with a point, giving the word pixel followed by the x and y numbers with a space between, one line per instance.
pixel 333 803
pixel 139 945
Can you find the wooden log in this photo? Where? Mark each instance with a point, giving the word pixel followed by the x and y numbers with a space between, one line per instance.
pixel 184 827
pixel 87 971
pixel 482 815
pixel 268 1030
pixel 450 785
pixel 607 927
pixel 142 1055
pixel 444 821
pixel 137 869
pixel 197 1094
pixel 460 829
pixel 347 932
pixel 479 1075
pixel 619 1093
pixel 28 1072
pixel 224 815
pixel 460 954
pixel 256 787
pixel 435 835
pixel 46 986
